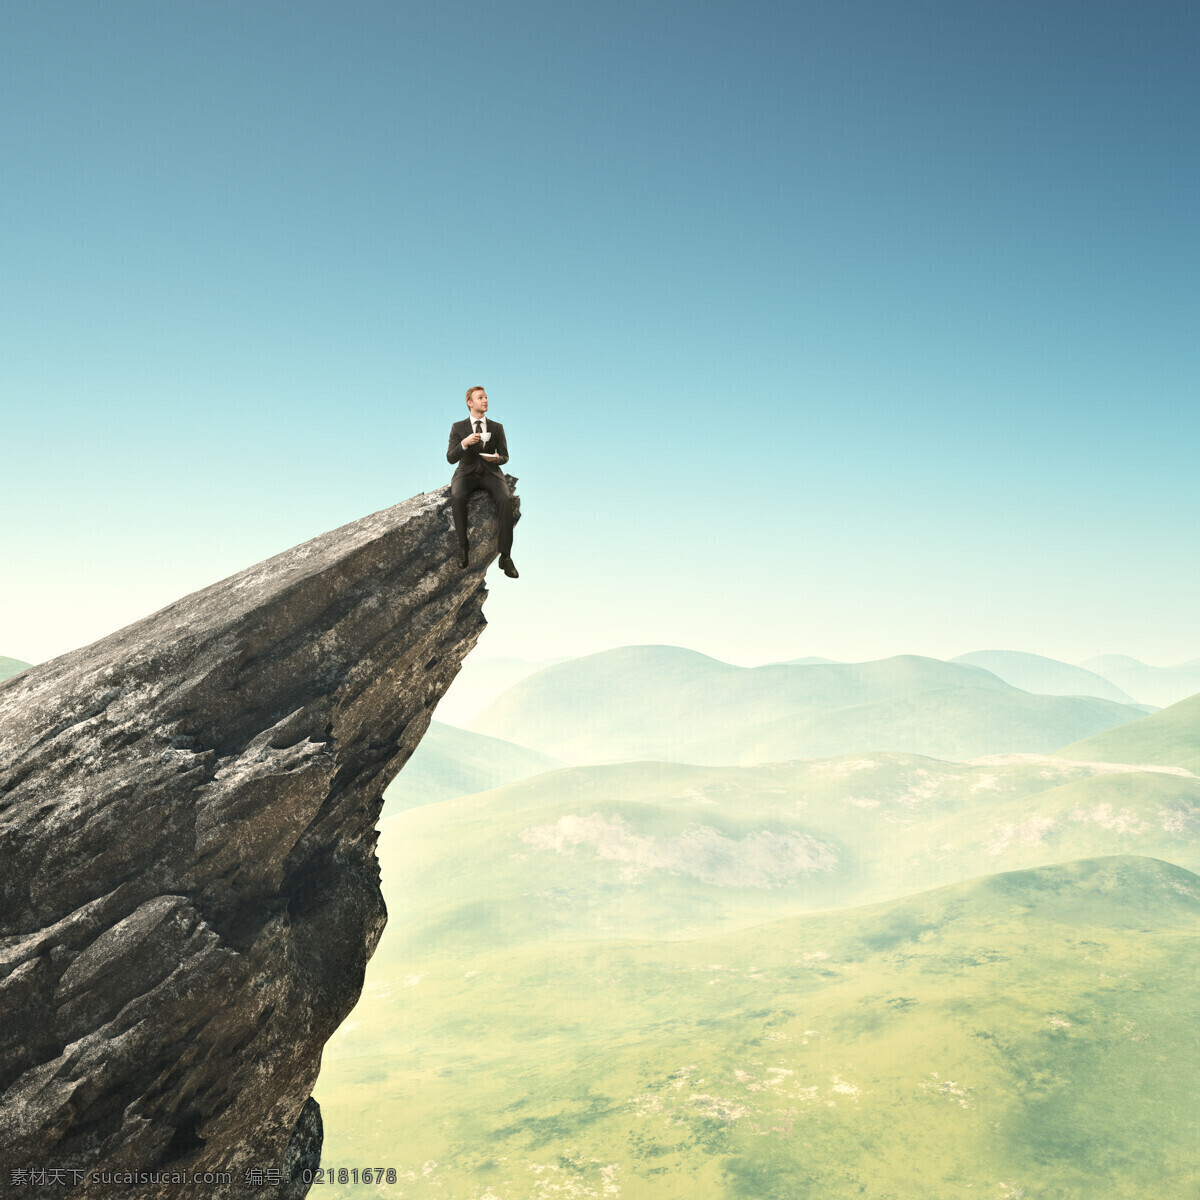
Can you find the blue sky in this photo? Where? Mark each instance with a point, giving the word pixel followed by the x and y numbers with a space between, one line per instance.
pixel 847 330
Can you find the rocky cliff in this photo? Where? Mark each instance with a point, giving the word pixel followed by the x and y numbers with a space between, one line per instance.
pixel 188 886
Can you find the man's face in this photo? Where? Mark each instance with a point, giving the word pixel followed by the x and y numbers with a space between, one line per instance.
pixel 477 405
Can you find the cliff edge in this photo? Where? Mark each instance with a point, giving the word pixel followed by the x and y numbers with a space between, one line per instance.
pixel 188 886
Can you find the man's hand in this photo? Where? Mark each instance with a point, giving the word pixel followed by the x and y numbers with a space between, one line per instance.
pixel 470 441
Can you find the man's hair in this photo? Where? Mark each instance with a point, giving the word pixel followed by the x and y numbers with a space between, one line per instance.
pixel 472 391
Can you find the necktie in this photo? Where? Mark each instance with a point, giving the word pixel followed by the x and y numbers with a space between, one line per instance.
pixel 479 430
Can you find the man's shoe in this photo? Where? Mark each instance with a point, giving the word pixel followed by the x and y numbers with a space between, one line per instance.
pixel 506 565
pixel 464 554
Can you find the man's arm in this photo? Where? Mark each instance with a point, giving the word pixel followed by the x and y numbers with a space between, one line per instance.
pixel 454 451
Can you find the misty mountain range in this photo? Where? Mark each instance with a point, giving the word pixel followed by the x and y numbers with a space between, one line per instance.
pixel 1113 677
pixel 666 703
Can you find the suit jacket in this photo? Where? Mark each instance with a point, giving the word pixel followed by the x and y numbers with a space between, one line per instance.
pixel 469 459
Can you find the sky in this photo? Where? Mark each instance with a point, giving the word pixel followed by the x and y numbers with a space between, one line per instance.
pixel 844 329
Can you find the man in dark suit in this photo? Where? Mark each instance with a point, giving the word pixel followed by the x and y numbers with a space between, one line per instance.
pixel 479 448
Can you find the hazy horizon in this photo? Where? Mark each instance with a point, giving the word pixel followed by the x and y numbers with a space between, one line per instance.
pixel 558 653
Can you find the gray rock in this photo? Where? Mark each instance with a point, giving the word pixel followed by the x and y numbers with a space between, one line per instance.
pixel 188 886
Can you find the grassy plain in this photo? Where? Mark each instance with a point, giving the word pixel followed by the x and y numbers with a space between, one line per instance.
pixel 1029 1034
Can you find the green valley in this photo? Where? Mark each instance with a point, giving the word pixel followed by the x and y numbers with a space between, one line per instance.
pixel 1024 1035
pixel 669 850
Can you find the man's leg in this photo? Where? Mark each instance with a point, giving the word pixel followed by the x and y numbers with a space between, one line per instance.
pixel 461 487
pixel 504 507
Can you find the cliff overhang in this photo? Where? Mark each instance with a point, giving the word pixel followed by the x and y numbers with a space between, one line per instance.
pixel 188 886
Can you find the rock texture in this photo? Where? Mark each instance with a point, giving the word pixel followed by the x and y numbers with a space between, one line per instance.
pixel 188 886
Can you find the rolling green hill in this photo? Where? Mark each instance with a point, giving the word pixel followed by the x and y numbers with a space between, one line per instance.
pixel 10 667
pixel 1027 1034
pixel 1169 737
pixel 453 762
pixel 669 850
pixel 663 702
pixel 1046 676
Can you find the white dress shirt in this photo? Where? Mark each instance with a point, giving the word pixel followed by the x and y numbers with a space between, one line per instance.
pixel 484 451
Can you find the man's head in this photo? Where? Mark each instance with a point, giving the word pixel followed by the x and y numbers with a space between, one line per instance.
pixel 476 401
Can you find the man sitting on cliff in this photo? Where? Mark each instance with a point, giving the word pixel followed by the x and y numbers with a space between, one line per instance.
pixel 479 448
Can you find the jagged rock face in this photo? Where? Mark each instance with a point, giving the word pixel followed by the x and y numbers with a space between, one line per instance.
pixel 188 886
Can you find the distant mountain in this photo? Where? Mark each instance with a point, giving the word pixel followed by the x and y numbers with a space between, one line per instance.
pixel 663 702
pixel 1169 737
pixel 1046 676
pixel 1152 685
pixel 453 762
pixel 1029 1034
pixel 1112 662
pixel 480 681
pixel 807 662
pixel 10 667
